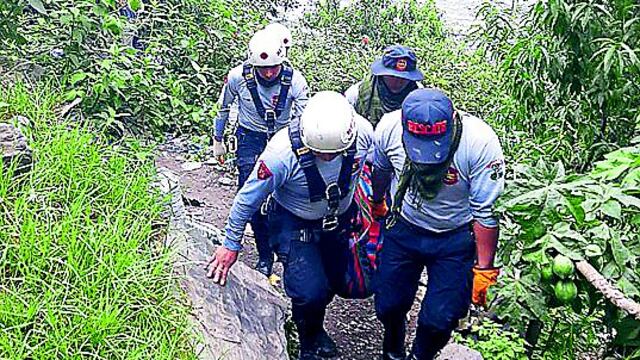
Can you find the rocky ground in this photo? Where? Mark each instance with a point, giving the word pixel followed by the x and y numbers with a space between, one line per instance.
pixel 208 190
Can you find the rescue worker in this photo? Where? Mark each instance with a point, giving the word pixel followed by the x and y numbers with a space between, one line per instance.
pixel 392 78
pixel 445 169
pixel 311 169
pixel 269 93
pixel 283 33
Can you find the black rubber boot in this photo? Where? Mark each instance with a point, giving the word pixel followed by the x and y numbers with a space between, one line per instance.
pixel 393 342
pixel 265 267
pixel 325 346
pixel 308 355
pixel 393 355
pixel 428 343
pixel 320 345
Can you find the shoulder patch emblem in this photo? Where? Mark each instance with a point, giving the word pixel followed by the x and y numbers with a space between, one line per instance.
pixel 497 169
pixel 451 177
pixel 263 171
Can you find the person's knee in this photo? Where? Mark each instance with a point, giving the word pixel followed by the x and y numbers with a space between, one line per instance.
pixel 391 306
pixel 311 299
pixel 443 318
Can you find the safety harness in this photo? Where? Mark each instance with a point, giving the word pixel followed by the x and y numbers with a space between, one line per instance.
pixel 318 189
pixel 269 115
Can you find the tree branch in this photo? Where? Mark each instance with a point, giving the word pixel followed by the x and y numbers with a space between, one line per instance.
pixel 615 296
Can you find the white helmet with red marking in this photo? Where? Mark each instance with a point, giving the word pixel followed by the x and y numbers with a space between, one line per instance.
pixel 265 49
pixel 327 124
pixel 282 32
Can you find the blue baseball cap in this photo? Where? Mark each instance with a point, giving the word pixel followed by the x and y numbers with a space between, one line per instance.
pixel 427 126
pixel 398 61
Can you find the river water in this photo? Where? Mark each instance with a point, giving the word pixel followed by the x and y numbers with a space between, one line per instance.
pixel 458 16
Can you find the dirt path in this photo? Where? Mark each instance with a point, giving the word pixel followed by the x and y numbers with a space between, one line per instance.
pixel 208 192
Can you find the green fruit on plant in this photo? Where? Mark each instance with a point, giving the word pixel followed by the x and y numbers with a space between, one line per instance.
pixel 563 266
pixel 566 291
pixel 546 274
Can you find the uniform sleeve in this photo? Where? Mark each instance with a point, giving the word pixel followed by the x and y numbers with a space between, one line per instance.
pixel 486 181
pixel 300 97
pixel 227 96
pixel 268 174
pixel 381 159
pixel 352 94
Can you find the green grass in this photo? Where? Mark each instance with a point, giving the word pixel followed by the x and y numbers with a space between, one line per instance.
pixel 82 274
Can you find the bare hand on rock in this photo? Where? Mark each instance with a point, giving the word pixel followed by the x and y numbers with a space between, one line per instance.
pixel 220 263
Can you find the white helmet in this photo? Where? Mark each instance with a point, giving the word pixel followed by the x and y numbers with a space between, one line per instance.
pixel 265 49
pixel 327 124
pixel 281 32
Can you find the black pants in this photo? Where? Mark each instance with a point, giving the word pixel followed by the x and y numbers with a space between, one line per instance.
pixel 315 265
pixel 449 259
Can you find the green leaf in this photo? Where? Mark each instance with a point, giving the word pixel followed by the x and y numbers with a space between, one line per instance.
pixel 592 250
pixel 628 332
pixel 620 252
pixel 202 78
pixel 607 59
pixel 573 204
pixel 563 231
pixel 627 200
pixel 135 4
pixel 77 77
pixel 627 287
pixel 37 4
pixel 564 250
pixel 612 208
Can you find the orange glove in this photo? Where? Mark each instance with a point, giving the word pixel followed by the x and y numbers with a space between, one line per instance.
pixel 482 280
pixel 379 210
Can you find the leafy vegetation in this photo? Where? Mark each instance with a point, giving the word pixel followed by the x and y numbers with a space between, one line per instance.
pixel 135 67
pixel 558 83
pixel 82 272
pixel 568 70
pixel 571 68
pixel 494 341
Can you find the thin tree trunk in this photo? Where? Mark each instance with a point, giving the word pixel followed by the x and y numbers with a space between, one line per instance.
pixel 615 296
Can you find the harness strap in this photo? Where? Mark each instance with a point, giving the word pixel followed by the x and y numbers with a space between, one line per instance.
pixel 318 189
pixel 307 161
pixel 269 115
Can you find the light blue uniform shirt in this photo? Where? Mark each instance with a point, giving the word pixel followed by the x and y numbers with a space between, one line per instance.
pixel 473 183
pixel 286 180
pixel 236 89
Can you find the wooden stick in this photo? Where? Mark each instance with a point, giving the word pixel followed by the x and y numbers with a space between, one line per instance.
pixel 615 296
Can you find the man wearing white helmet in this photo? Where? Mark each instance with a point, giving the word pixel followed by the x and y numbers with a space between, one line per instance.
pixel 283 33
pixel 311 169
pixel 269 93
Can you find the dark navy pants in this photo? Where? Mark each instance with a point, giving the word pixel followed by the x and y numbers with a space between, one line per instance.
pixel 449 259
pixel 250 145
pixel 315 266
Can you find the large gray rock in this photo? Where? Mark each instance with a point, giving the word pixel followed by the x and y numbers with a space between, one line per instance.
pixel 243 320
pixel 458 352
pixel 14 148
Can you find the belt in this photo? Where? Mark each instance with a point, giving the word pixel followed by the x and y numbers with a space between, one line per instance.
pixel 318 224
pixel 423 231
